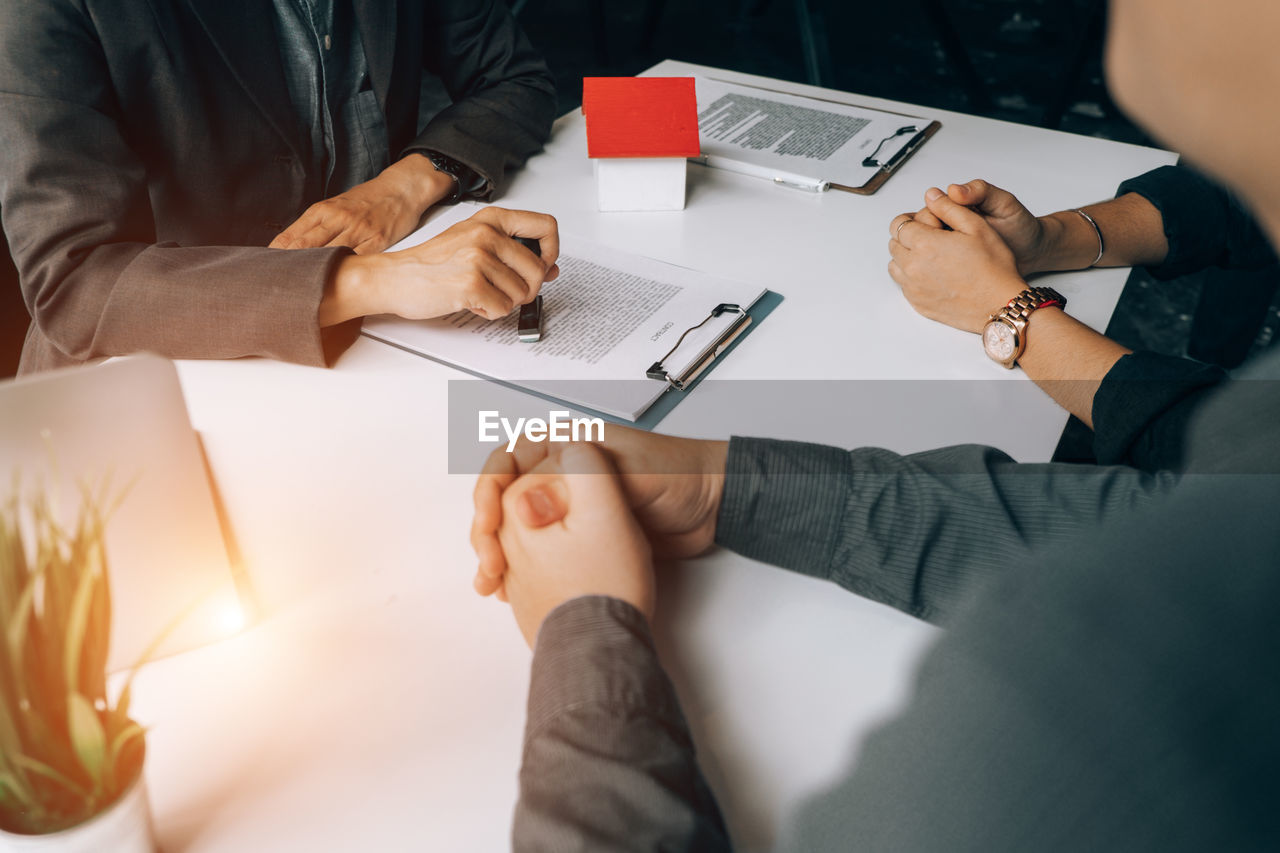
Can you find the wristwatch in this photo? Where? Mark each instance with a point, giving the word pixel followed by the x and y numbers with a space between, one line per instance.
pixel 1005 335
pixel 460 174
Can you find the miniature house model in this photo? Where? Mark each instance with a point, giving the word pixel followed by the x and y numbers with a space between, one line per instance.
pixel 640 133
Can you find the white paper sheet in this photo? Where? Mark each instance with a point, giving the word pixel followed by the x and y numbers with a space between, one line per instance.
pixel 792 137
pixel 608 317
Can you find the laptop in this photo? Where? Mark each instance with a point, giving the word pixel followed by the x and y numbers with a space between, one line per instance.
pixel 124 423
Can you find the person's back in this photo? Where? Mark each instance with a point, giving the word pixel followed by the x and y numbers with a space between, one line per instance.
pixel 1121 696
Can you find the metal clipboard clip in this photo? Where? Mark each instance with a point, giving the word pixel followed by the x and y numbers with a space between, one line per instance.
pixel 708 355
pixel 871 162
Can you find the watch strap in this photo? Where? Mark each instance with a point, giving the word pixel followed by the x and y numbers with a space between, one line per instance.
pixel 453 169
pixel 1032 299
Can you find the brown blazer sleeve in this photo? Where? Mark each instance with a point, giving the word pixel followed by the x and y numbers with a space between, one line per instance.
pixel 503 95
pixel 77 206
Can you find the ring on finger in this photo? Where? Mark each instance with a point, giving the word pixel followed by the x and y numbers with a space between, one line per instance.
pixel 897 234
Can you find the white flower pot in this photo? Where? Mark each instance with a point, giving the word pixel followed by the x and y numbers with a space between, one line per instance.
pixel 125 827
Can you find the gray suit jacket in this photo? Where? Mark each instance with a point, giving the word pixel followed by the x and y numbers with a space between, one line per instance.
pixel 149 152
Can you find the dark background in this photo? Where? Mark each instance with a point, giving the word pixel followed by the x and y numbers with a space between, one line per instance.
pixel 1030 61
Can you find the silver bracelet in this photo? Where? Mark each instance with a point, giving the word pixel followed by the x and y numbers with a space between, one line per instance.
pixel 1102 247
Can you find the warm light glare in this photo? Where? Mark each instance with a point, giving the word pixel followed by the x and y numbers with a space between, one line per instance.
pixel 230 619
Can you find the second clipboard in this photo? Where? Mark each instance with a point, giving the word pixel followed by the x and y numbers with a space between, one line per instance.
pixel 895 162
pixel 804 142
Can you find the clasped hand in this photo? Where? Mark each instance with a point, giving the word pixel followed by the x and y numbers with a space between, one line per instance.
pixel 554 524
pixel 963 256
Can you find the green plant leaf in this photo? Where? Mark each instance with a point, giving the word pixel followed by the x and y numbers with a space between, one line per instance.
pixel 78 617
pixel 115 751
pixel 17 627
pixel 10 737
pixel 11 674
pixel 11 785
pixel 16 630
pixel 93 663
pixel 94 518
pixel 88 738
pixel 62 745
pixel 122 738
pixel 41 769
pixel 120 713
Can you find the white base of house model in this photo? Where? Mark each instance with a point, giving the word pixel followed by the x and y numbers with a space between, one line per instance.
pixel 640 183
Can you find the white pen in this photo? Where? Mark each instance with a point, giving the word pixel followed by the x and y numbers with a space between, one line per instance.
pixel 782 179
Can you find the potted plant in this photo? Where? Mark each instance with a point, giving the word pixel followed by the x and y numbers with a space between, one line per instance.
pixel 70 759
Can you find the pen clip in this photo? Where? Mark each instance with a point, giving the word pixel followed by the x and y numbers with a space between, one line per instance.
pixel 820 186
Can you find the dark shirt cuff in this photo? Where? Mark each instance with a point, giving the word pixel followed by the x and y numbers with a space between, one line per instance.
pixel 471 184
pixel 783 502
pixel 478 185
pixel 1204 224
pixel 1142 407
pixel 597 651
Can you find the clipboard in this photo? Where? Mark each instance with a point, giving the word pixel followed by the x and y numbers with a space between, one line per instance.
pixel 893 163
pixel 678 382
pixel 803 142
pixel 610 318
pixel 750 320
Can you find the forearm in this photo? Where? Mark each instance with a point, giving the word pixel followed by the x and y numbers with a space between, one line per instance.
pixel 608 761
pixel 417 181
pixel 919 533
pixel 1138 404
pixel 1204 224
pixel 350 292
pixel 1132 230
pixel 1068 360
pixel 355 288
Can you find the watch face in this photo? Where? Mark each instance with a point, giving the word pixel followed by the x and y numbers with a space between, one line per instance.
pixel 999 340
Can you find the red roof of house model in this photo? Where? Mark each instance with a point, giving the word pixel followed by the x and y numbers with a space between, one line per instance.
pixel 640 116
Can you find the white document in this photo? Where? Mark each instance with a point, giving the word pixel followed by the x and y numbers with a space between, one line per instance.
pixel 796 140
pixel 607 317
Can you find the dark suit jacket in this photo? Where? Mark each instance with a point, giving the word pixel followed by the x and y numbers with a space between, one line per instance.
pixel 149 152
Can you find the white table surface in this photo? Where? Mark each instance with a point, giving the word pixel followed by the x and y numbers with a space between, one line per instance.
pixel 378 703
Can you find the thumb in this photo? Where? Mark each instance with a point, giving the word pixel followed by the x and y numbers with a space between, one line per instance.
pixel 543 504
pixel 581 476
pixel 986 198
pixel 959 217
